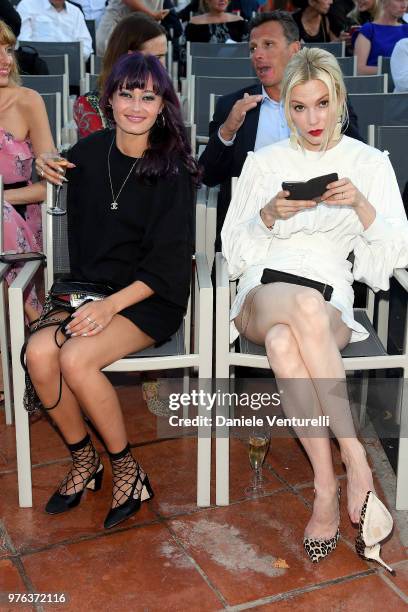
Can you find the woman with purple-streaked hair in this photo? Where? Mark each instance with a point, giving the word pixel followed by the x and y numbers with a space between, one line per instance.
pixel 131 192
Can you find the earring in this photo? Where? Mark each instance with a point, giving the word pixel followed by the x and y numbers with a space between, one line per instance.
pixel 160 121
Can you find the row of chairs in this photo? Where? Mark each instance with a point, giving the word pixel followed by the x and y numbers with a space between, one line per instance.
pixel 74 50
pixel 225 50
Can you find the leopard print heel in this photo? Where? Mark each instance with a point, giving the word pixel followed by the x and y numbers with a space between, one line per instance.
pixel 318 548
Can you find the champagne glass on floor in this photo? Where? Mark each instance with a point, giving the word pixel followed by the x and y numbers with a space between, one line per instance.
pixel 258 444
pixel 62 163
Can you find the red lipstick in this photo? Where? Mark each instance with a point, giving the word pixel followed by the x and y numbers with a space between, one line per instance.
pixel 316 132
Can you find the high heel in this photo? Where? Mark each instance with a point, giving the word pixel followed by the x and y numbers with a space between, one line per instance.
pixel 375 525
pixel 132 504
pixel 86 473
pixel 59 503
pixel 318 548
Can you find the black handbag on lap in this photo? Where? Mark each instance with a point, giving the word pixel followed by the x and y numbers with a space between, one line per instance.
pixel 72 294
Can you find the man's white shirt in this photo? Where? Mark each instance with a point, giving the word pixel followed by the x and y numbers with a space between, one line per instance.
pixel 272 124
pixel 41 22
pixel 93 9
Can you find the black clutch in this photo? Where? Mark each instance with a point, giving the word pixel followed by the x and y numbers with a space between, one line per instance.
pixel 275 276
pixel 72 293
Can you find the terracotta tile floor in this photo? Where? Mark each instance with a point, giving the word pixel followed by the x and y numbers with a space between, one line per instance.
pixel 172 555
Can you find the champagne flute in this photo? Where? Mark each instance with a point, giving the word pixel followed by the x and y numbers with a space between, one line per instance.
pixel 62 163
pixel 258 443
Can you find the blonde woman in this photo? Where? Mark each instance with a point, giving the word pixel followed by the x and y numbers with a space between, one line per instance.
pixel 303 332
pixel 24 133
pixel 380 36
pixel 364 10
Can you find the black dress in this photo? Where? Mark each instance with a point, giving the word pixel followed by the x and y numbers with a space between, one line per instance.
pixel 321 36
pixel 148 238
pixel 217 32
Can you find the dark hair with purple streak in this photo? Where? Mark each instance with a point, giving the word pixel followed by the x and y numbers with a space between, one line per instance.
pixel 165 143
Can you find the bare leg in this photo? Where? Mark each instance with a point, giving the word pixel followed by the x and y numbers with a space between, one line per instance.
pixel 299 399
pixel 319 332
pixel 80 360
pixel 43 365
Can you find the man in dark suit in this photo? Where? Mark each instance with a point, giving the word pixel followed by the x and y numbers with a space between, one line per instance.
pixel 253 117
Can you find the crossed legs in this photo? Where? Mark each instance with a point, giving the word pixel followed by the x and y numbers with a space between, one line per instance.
pixel 302 336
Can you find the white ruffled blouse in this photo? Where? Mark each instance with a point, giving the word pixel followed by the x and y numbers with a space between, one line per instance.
pixel 315 243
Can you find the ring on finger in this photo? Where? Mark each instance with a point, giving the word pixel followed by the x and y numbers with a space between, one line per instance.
pixel 89 319
pixel 42 173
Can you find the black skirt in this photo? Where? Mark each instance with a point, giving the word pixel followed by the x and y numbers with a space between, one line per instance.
pixel 156 317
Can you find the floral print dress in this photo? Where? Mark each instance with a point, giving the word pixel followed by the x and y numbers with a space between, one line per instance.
pixel 20 234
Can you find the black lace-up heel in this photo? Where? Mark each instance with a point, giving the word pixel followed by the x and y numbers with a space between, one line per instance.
pixel 86 473
pixel 131 486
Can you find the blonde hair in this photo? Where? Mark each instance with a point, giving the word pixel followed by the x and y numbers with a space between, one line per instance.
pixel 355 14
pixel 7 38
pixel 311 64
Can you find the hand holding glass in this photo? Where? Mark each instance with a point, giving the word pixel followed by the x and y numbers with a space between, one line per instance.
pixel 62 163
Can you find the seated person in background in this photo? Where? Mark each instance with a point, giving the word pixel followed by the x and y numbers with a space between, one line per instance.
pixel 215 24
pixel 312 20
pixel 303 332
pixel 246 8
pixel 24 133
pixel 399 65
pixel 364 10
pixel 338 15
pixel 117 10
pixel 136 184
pixel 53 21
pixel 252 118
pixel 136 32
pixel 93 9
pixel 380 36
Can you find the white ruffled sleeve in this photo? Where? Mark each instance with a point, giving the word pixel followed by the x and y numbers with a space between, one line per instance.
pixel 245 238
pixel 383 246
